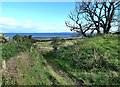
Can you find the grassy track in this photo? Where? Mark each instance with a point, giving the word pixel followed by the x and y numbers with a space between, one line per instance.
pixel 89 61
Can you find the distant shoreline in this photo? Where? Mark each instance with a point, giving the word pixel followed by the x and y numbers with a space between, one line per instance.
pixel 50 38
pixel 44 35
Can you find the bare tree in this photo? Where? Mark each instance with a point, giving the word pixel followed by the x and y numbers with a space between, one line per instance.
pixel 97 16
pixel 109 14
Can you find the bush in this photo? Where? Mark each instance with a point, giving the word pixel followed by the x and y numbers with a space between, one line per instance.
pixel 11 48
pixel 17 38
pixel 56 43
pixel 27 39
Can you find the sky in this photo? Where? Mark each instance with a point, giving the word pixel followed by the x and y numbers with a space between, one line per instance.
pixel 34 17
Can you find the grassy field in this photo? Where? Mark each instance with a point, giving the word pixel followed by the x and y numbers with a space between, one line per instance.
pixel 93 60
pixel 89 61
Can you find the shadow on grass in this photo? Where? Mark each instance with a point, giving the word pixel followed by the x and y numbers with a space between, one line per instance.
pixel 53 57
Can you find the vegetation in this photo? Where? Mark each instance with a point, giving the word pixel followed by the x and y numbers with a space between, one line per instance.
pixel 88 61
pixel 3 38
pixel 27 39
pixel 56 41
pixel 12 48
pixel 93 60
pixel 31 68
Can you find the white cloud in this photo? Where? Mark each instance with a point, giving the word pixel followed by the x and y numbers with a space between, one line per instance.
pixel 11 25
pixel 10 22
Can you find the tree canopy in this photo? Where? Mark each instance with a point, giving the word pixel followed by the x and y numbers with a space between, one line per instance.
pixel 90 17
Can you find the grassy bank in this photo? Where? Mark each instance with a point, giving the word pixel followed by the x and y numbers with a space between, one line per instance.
pixel 86 61
pixel 93 60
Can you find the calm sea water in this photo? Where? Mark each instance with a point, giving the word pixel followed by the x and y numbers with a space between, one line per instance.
pixel 42 35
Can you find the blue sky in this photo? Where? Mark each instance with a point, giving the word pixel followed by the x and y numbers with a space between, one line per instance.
pixel 27 17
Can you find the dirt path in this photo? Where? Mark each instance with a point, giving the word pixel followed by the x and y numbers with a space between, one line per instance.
pixel 59 75
pixel 12 70
pixel 25 58
pixel 70 78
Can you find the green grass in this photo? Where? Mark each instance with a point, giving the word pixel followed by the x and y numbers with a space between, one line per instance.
pixel 36 74
pixel 39 72
pixel 94 60
pixel 11 48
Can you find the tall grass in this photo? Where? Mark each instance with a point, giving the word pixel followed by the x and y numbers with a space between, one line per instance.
pixel 94 60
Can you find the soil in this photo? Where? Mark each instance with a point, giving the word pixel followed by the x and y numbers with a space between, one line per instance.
pixel 12 70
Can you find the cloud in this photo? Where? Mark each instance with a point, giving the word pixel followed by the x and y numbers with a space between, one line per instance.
pixel 9 25
pixel 8 22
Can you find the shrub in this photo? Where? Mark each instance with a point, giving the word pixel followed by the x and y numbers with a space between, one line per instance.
pixel 12 48
pixel 56 43
pixel 18 38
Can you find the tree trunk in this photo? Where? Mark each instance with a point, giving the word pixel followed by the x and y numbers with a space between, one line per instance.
pixel 98 31
pixel 106 28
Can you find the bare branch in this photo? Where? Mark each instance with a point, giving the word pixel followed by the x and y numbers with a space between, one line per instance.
pixel 97 15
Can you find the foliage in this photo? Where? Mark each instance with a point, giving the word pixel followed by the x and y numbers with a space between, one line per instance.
pixel 8 81
pixel 94 60
pixel 56 41
pixel 19 38
pixel 38 72
pixel 12 48
pixel 3 38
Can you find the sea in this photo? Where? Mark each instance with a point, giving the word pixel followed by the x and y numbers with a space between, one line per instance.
pixel 44 35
